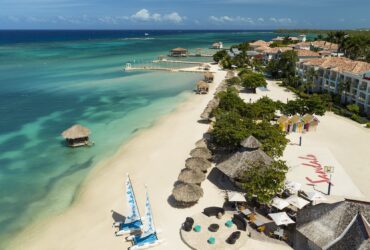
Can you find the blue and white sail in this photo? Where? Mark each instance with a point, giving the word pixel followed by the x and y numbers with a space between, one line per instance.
pixel 133 211
pixel 148 219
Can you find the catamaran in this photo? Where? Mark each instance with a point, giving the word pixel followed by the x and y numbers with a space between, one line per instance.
pixel 149 237
pixel 133 221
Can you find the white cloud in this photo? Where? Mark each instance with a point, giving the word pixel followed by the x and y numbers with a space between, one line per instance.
pixel 142 15
pixel 260 19
pixel 236 19
pixel 173 17
pixel 284 20
pixel 145 15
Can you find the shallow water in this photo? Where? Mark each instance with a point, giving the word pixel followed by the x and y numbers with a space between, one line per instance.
pixel 50 81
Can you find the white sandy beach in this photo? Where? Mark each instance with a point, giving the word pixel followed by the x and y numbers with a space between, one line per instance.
pixel 338 142
pixel 153 158
pixel 156 156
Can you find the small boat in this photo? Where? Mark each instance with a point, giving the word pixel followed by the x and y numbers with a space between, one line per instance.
pixel 133 221
pixel 146 34
pixel 149 237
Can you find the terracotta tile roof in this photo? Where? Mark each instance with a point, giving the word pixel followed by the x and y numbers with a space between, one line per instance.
pixel 307 53
pixel 340 64
pixel 325 45
pixel 262 48
pixel 277 50
pixel 260 43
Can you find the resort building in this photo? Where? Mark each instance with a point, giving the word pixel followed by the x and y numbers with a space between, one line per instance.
pixel 179 52
pixel 302 38
pixel 280 39
pixel 259 43
pixel 274 53
pixel 339 74
pixel 306 54
pixel 341 225
pixel 324 45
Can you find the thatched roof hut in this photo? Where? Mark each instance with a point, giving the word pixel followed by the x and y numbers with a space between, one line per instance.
pixel 230 74
pixel 197 163
pixel 235 166
pixel 178 52
pixel 202 153
pixel 191 176
pixel 77 135
pixel 341 225
pixel 251 143
pixel 185 193
pixel 212 104
pixel 202 143
pixel 208 77
pixel 202 87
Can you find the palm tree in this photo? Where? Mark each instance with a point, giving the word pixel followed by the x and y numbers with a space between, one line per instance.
pixel 330 37
pixel 344 87
pixel 310 76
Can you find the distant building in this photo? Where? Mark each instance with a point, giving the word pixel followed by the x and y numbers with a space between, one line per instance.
pixel 218 45
pixel 302 38
pixel 334 72
pixel 179 52
pixel 259 43
pixel 306 54
pixel 274 53
pixel 342 225
pixel 324 45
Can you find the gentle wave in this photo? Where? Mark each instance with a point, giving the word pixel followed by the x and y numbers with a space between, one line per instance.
pixel 137 38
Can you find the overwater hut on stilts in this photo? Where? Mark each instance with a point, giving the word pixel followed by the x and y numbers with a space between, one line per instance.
pixel 77 136
pixel 179 52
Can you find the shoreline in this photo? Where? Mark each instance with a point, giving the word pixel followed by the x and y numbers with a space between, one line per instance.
pixel 45 233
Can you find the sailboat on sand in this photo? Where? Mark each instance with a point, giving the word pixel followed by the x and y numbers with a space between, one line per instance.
pixel 132 223
pixel 148 238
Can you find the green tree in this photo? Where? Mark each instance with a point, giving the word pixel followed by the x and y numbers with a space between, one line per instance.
pixel 219 55
pixel 253 80
pixel 233 81
pixel 315 104
pixel 229 129
pixel 230 101
pixel 264 182
pixel 271 137
pixel 354 108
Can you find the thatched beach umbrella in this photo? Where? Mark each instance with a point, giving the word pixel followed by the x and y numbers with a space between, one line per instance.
pixel 187 193
pixel 201 152
pixel 202 143
pixel 191 176
pixel 251 143
pixel 212 104
pixel 197 163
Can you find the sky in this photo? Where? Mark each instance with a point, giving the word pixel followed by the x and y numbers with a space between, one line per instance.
pixel 184 14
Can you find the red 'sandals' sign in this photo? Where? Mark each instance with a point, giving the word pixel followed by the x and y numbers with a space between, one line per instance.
pixel 322 177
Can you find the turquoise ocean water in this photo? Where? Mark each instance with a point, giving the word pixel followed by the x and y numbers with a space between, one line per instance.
pixel 52 80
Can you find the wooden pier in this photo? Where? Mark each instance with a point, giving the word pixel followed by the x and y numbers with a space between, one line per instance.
pixel 177 61
pixel 191 70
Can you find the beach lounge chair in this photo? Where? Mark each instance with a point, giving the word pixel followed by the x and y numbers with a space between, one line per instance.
pixel 188 224
pixel 213 211
pixel 233 237
pixel 213 227
pixel 240 223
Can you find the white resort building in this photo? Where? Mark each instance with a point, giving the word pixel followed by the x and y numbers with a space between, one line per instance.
pixel 335 74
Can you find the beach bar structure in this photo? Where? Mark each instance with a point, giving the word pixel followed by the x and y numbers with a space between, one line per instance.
pixel 77 136
pixel 202 87
pixel 179 52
